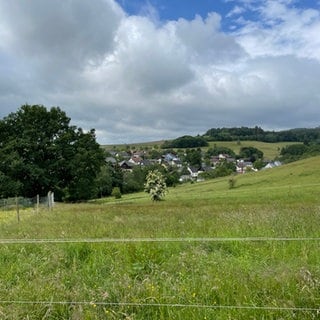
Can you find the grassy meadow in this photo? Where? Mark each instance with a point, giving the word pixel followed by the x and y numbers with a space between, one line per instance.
pixel 205 252
pixel 270 150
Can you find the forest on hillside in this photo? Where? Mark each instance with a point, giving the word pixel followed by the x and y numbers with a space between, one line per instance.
pixel 305 135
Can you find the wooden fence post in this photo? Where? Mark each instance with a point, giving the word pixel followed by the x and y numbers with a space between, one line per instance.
pixel 50 200
pixel 38 203
pixel 17 207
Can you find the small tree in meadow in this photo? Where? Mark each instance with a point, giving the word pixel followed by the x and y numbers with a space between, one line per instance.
pixel 155 185
pixel 116 192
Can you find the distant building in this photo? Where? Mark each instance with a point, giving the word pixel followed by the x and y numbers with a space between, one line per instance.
pixel 272 164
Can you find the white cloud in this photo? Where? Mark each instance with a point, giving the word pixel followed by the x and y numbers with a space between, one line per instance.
pixel 205 42
pixel 136 78
pixel 288 32
pixel 237 10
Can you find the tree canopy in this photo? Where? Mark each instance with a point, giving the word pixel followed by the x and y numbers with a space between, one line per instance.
pixel 186 142
pixel 41 151
pixel 258 134
pixel 251 153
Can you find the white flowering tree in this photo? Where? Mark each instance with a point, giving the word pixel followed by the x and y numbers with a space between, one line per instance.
pixel 155 185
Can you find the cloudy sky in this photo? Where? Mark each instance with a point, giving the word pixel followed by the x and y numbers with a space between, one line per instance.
pixel 144 70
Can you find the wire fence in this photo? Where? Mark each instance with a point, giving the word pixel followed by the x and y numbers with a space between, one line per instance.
pixel 159 305
pixel 17 203
pixel 163 305
pixel 11 203
pixel 132 240
pixel 30 202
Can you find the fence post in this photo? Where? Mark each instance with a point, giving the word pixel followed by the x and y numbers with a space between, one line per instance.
pixel 38 203
pixel 50 202
pixel 17 207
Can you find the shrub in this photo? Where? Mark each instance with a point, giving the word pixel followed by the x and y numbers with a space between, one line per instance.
pixel 232 182
pixel 116 192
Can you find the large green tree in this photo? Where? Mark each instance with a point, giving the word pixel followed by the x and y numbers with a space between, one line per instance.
pixel 41 151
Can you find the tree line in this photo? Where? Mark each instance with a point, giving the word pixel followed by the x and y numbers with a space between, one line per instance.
pixel 305 135
pixel 186 142
pixel 299 151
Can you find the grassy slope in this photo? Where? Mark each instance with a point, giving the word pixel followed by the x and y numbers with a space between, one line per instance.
pixel 282 202
pixel 270 150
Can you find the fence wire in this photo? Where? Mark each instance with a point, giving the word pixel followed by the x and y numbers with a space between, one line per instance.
pixel 23 202
pixel 132 240
pixel 160 305
pixel 164 305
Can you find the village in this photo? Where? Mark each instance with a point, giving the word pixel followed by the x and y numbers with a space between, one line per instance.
pixel 196 170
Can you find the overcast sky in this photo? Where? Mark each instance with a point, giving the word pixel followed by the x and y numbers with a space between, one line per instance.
pixel 144 70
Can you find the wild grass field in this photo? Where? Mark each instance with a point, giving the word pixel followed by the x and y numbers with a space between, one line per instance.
pixel 205 252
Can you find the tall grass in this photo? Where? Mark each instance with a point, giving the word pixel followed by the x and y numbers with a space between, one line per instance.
pixel 172 280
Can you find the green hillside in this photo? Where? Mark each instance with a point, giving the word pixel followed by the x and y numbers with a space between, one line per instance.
pixel 205 252
pixel 270 150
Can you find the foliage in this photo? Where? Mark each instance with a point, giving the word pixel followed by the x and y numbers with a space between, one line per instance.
pixel 104 181
pixel 186 142
pixel 216 150
pixel 41 151
pixel 251 153
pixel 222 169
pixel 259 164
pixel 116 193
pixel 258 134
pixel 171 176
pixel 134 181
pixel 154 153
pixel 193 157
pixel 155 185
pixel 299 151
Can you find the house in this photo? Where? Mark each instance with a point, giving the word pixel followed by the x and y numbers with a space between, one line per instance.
pixel 126 165
pixel 193 172
pixel 205 168
pixel 242 166
pixel 172 160
pixel 221 157
pixel 272 164
pixel 123 155
pixel 135 160
pixel 119 154
pixel 111 160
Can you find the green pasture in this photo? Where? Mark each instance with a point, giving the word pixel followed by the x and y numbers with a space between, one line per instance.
pixel 205 252
pixel 270 150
